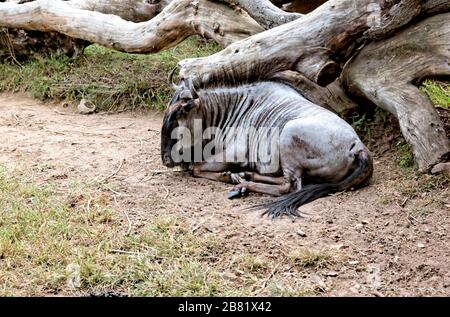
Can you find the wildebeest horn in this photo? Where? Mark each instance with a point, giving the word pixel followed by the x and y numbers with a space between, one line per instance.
pixel 174 86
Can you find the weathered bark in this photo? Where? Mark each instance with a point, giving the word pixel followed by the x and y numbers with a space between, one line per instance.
pixel 20 44
pixel 130 10
pixel 331 97
pixel 264 12
pixel 314 45
pixel 386 73
pixel 178 20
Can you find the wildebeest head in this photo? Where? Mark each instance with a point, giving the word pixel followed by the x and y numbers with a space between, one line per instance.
pixel 177 114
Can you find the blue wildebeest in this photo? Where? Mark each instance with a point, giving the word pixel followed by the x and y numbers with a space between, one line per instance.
pixel 316 152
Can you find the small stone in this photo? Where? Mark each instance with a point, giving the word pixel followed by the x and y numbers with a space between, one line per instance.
pixel 319 283
pixel 338 246
pixel 353 262
pixel 85 107
pixel 359 226
pixel 421 245
pixel 230 276
pixel 332 274
pixel 365 222
pixel 301 233
pixel 354 290
pixel 441 168
pixel 73 276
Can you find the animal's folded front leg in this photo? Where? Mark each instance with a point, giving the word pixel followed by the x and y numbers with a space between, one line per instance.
pixel 215 176
pixel 216 171
pixel 274 190
pixel 258 178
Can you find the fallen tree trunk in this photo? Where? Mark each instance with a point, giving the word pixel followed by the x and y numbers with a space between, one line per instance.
pixel 388 72
pixel 335 30
pixel 20 44
pixel 130 10
pixel 332 97
pixel 331 34
pixel 178 20
pixel 265 13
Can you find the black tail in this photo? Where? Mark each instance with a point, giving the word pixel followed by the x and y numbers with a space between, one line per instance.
pixel 288 205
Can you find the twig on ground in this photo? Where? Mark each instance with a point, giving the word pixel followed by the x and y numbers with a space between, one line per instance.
pixel 377 293
pixel 404 202
pixel 126 216
pixel 117 128
pixel 197 226
pixel 65 113
pixel 114 192
pixel 157 172
pixel 88 207
pixel 409 216
pixel 167 192
pixel 266 280
pixel 115 172
pixel 124 252
pixel 54 132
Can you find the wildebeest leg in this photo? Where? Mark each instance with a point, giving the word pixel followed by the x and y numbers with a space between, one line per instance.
pixel 236 178
pixel 213 171
pixel 255 177
pixel 274 190
pixel 214 176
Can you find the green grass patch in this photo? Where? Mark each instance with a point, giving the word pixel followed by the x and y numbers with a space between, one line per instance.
pixel 438 92
pixel 72 242
pixel 315 258
pixel 111 80
pixel 379 129
pixel 406 158
pixel 369 123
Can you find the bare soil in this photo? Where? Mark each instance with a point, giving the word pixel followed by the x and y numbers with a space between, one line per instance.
pixel 393 234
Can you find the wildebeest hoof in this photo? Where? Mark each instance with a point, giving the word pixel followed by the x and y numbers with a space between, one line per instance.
pixel 236 193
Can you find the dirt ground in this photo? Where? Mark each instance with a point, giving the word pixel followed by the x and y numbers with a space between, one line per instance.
pixel 393 234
